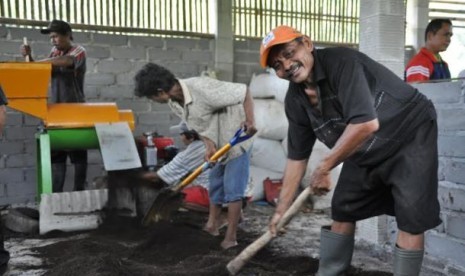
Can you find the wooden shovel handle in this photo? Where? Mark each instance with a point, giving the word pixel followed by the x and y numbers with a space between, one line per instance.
pixel 237 263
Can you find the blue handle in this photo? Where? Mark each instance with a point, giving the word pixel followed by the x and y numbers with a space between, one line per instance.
pixel 238 137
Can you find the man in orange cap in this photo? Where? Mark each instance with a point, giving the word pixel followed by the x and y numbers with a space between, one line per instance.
pixel 384 131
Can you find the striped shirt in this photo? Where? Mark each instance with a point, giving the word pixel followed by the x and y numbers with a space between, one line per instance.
pixel 68 82
pixel 184 163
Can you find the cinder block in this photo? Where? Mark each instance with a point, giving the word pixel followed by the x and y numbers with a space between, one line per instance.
pixel 30 175
pixel 13 119
pixel 128 53
pixel 146 41
pixel 3 190
pixel 155 55
pixel 441 92
pixel 181 43
pixel 455 225
pixel 451 145
pixel 196 56
pixel 451 196
pixel 150 118
pixel 451 119
pixel 20 133
pixel 135 105
pixel 82 38
pixel 31 34
pixel 114 66
pixel 205 44
pixel 184 69
pixel 110 39
pixel 445 247
pixel 19 160
pixel 11 147
pixel 455 171
pixel 97 52
pixel 126 78
pixel 3 32
pixel 91 92
pixel 11 175
pixel 116 92
pixel 31 121
pixel 100 79
pixel 246 57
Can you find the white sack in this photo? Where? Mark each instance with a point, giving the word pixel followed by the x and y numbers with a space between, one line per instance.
pixel 270 119
pixel 268 85
pixel 256 177
pixel 268 154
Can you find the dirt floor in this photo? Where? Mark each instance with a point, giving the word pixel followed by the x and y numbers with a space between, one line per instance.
pixel 179 247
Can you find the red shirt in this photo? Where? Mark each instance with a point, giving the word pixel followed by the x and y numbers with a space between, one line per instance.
pixel 425 66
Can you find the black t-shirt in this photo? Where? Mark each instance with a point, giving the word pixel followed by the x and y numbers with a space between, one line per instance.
pixel 352 88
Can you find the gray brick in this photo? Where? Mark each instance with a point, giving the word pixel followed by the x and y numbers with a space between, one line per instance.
pixel 455 171
pixel 21 188
pixel 14 119
pixel 31 121
pixel 100 79
pixel 445 247
pixel 10 47
pixel 11 147
pixel 148 41
pixel 126 78
pixel 451 119
pixel 20 133
pixel 82 38
pixel 31 34
pixel 455 225
pixel 30 175
pixel 186 69
pixel 20 160
pixel 91 92
pixel 196 56
pixel 3 190
pixel 116 92
pixel 456 270
pixel 110 39
pixel 442 92
pixel 3 32
pixel 451 196
pixel 11 175
pixel 179 43
pixel 97 52
pixel 130 53
pixel 205 44
pixel 135 105
pixel 114 66
pixel 247 57
pixel 150 118
pixel 30 146
pixel 161 55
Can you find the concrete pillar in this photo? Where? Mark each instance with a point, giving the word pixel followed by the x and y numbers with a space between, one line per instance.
pixel 382 37
pixel 224 43
pixel 382 32
pixel 417 19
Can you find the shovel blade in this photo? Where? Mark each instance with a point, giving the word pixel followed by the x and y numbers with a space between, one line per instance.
pixel 163 206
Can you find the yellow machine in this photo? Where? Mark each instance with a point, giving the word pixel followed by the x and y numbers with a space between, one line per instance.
pixel 65 125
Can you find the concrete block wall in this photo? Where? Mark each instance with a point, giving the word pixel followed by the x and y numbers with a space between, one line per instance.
pixel 112 62
pixel 445 245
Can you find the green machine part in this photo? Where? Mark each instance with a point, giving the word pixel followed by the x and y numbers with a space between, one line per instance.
pixel 59 139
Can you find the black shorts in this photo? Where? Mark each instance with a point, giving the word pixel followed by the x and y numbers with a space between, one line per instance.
pixel 405 186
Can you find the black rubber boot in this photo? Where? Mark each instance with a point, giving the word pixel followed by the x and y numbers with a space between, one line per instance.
pixel 80 176
pixel 335 253
pixel 407 262
pixel 58 176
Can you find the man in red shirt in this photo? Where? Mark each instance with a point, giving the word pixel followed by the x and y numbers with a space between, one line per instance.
pixel 68 69
pixel 428 64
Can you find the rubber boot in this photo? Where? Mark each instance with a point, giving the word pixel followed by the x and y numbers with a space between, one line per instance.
pixel 335 253
pixel 58 176
pixel 407 262
pixel 80 176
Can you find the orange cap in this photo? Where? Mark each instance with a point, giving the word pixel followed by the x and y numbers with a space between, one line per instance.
pixel 279 35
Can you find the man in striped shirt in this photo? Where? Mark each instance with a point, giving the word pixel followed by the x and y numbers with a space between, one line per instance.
pixel 182 164
pixel 68 69
pixel 428 64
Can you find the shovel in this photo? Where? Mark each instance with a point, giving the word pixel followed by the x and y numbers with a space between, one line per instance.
pixel 170 199
pixel 240 260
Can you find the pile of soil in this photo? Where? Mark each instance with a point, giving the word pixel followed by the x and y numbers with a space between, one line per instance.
pixel 179 247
